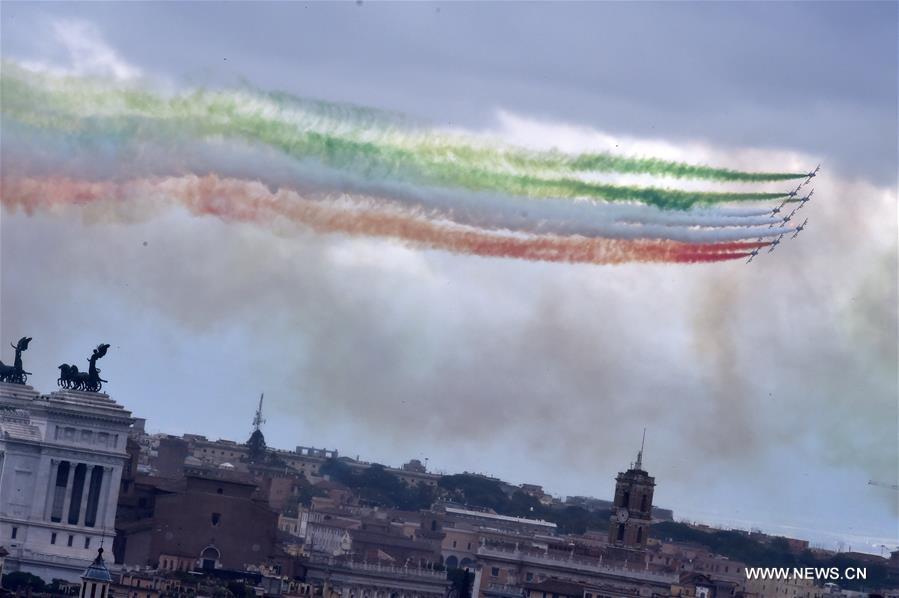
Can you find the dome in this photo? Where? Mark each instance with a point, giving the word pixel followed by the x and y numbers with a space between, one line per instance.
pixel 97 571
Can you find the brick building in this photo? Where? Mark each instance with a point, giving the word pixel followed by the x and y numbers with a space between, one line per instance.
pixel 210 518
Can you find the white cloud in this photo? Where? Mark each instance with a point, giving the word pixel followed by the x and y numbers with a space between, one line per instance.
pixel 88 53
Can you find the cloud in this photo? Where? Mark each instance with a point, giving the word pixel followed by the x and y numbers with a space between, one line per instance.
pixel 396 351
pixel 776 379
pixel 87 52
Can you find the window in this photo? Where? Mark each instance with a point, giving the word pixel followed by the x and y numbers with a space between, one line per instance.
pixel 643 502
pixel 87 542
pixel 53 538
pixel 216 517
pixel 494 572
pixel 15 532
pixel 620 533
pixel 71 539
pixel 454 543
pixel 639 534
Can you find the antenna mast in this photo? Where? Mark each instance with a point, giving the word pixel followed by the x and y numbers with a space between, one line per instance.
pixel 639 463
pixel 257 420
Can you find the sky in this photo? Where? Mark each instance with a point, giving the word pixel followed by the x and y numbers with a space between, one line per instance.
pixel 768 390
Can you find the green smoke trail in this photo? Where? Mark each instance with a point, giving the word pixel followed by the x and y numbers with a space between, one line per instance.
pixel 459 150
pixel 83 97
pixel 93 114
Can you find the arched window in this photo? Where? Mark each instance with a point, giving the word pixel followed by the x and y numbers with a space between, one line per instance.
pixel 639 534
pixel 643 502
pixel 620 532
pixel 625 498
pixel 209 557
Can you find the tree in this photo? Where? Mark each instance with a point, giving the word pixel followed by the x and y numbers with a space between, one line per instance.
pixel 461 580
pixel 19 580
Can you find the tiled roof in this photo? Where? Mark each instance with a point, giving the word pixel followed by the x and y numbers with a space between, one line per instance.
pixel 97 570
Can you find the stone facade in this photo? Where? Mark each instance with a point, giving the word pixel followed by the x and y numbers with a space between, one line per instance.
pixel 61 461
pixel 503 572
pixel 347 579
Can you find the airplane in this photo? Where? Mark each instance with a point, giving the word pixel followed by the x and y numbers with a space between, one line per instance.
pixel 776 210
pixel 794 192
pixel 783 220
pixel 775 243
pixel 802 200
pixel 799 229
pixel 754 253
pixel 812 174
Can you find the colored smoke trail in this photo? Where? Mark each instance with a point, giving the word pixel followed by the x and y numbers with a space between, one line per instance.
pixel 41 153
pixel 253 202
pixel 339 169
pixel 93 112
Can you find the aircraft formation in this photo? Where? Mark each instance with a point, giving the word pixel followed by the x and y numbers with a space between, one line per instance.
pixel 792 197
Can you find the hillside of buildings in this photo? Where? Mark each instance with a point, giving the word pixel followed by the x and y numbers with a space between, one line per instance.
pixel 761 550
pixel 187 516
pixel 375 486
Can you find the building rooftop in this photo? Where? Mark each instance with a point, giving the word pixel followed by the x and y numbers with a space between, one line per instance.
pixel 97 570
pixel 495 517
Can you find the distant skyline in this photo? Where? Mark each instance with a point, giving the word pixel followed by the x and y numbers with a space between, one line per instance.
pixel 768 390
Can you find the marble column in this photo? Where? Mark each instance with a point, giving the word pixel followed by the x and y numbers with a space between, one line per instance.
pixel 85 493
pixel 103 499
pixel 70 484
pixel 51 489
pixel 112 496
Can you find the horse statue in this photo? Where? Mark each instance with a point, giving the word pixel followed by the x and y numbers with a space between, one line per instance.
pixel 16 373
pixel 90 381
pixel 67 375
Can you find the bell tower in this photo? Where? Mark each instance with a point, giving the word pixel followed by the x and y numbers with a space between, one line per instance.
pixel 632 511
pixel 96 579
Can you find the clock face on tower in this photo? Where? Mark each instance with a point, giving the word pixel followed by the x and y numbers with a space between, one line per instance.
pixel 622 515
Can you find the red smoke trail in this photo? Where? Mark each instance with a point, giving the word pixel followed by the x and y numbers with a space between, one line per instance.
pixel 247 201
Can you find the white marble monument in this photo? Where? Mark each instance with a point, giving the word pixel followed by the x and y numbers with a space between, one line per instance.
pixel 61 460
